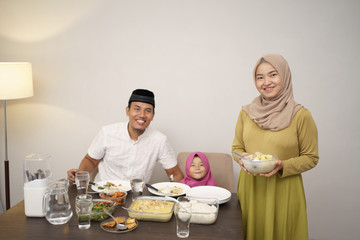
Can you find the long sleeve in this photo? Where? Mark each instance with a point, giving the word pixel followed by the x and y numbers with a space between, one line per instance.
pixel 308 146
pixel 238 142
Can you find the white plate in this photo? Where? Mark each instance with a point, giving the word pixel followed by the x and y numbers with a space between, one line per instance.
pixel 161 185
pixel 125 185
pixel 222 194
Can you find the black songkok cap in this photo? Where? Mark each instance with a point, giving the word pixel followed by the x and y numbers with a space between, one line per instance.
pixel 142 95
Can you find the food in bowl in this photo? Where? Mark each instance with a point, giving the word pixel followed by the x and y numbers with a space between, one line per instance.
pixel 97 212
pixel 258 163
pixel 204 211
pixel 118 197
pixel 151 209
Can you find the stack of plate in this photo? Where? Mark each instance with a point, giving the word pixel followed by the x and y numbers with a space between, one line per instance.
pixel 222 194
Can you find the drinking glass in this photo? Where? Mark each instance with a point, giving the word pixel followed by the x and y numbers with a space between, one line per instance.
pixel 82 179
pixel 83 205
pixel 183 217
pixel 137 187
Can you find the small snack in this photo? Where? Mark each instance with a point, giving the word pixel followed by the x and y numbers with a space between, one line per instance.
pixel 120 220
pixel 131 225
pixel 109 224
pixel 129 222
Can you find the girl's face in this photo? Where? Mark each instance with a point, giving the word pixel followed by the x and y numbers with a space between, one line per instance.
pixel 197 169
pixel 267 81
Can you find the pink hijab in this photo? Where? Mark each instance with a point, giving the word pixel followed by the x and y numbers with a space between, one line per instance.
pixel 207 180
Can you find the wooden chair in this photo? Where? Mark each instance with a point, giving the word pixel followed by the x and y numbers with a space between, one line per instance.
pixel 221 165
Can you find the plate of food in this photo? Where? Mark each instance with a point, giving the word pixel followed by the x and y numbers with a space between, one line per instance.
pixel 171 189
pixel 203 192
pixel 109 225
pixel 110 186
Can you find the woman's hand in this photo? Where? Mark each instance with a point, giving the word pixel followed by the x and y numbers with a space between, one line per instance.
pixel 242 164
pixel 278 167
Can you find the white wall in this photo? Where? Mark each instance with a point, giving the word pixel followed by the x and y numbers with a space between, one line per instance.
pixel 197 56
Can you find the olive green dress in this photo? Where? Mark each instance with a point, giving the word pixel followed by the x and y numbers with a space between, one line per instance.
pixel 274 208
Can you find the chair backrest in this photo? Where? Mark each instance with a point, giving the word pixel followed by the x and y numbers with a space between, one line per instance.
pixel 221 165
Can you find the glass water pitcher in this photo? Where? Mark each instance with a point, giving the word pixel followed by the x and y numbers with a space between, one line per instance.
pixel 56 203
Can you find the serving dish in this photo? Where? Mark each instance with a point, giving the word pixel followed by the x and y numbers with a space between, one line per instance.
pixel 171 189
pixel 204 210
pixel 223 195
pixel 114 229
pixel 118 197
pixel 259 163
pixel 151 208
pixel 97 214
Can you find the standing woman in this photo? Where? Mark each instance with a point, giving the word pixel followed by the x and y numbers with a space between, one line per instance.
pixel 273 204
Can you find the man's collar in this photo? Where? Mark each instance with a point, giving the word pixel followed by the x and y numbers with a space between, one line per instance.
pixel 139 137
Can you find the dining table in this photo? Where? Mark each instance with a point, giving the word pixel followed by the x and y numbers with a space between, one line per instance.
pixel 14 224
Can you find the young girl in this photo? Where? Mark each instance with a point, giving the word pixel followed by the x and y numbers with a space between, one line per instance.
pixel 198 171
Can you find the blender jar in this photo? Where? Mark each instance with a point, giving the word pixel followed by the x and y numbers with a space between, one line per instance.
pixel 37 176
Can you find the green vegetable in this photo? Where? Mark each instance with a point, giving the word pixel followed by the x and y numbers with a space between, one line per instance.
pixel 98 212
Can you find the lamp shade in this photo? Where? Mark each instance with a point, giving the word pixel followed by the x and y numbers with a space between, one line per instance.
pixel 15 80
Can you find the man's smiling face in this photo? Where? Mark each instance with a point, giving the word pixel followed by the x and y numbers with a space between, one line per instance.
pixel 140 115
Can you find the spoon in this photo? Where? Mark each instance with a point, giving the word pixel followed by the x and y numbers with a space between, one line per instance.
pixel 131 210
pixel 154 188
pixel 238 155
pixel 118 225
pixel 186 208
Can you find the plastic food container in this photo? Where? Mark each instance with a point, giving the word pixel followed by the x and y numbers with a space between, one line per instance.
pixel 100 215
pixel 257 166
pixel 151 208
pixel 118 197
pixel 204 210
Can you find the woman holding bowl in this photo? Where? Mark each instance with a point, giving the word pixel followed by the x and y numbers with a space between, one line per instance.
pixel 273 204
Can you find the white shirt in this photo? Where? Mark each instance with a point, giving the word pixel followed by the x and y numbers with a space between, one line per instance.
pixel 124 158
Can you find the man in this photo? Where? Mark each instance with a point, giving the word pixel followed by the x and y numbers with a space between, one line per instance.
pixel 128 149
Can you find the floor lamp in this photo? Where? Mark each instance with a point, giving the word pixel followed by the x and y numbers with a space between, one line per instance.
pixel 15 82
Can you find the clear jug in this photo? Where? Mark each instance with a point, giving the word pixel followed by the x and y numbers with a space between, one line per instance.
pixel 56 204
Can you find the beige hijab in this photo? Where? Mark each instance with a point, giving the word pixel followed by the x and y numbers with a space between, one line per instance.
pixel 275 114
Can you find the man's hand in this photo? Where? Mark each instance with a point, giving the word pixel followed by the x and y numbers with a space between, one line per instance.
pixel 176 172
pixel 71 175
pixel 87 164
